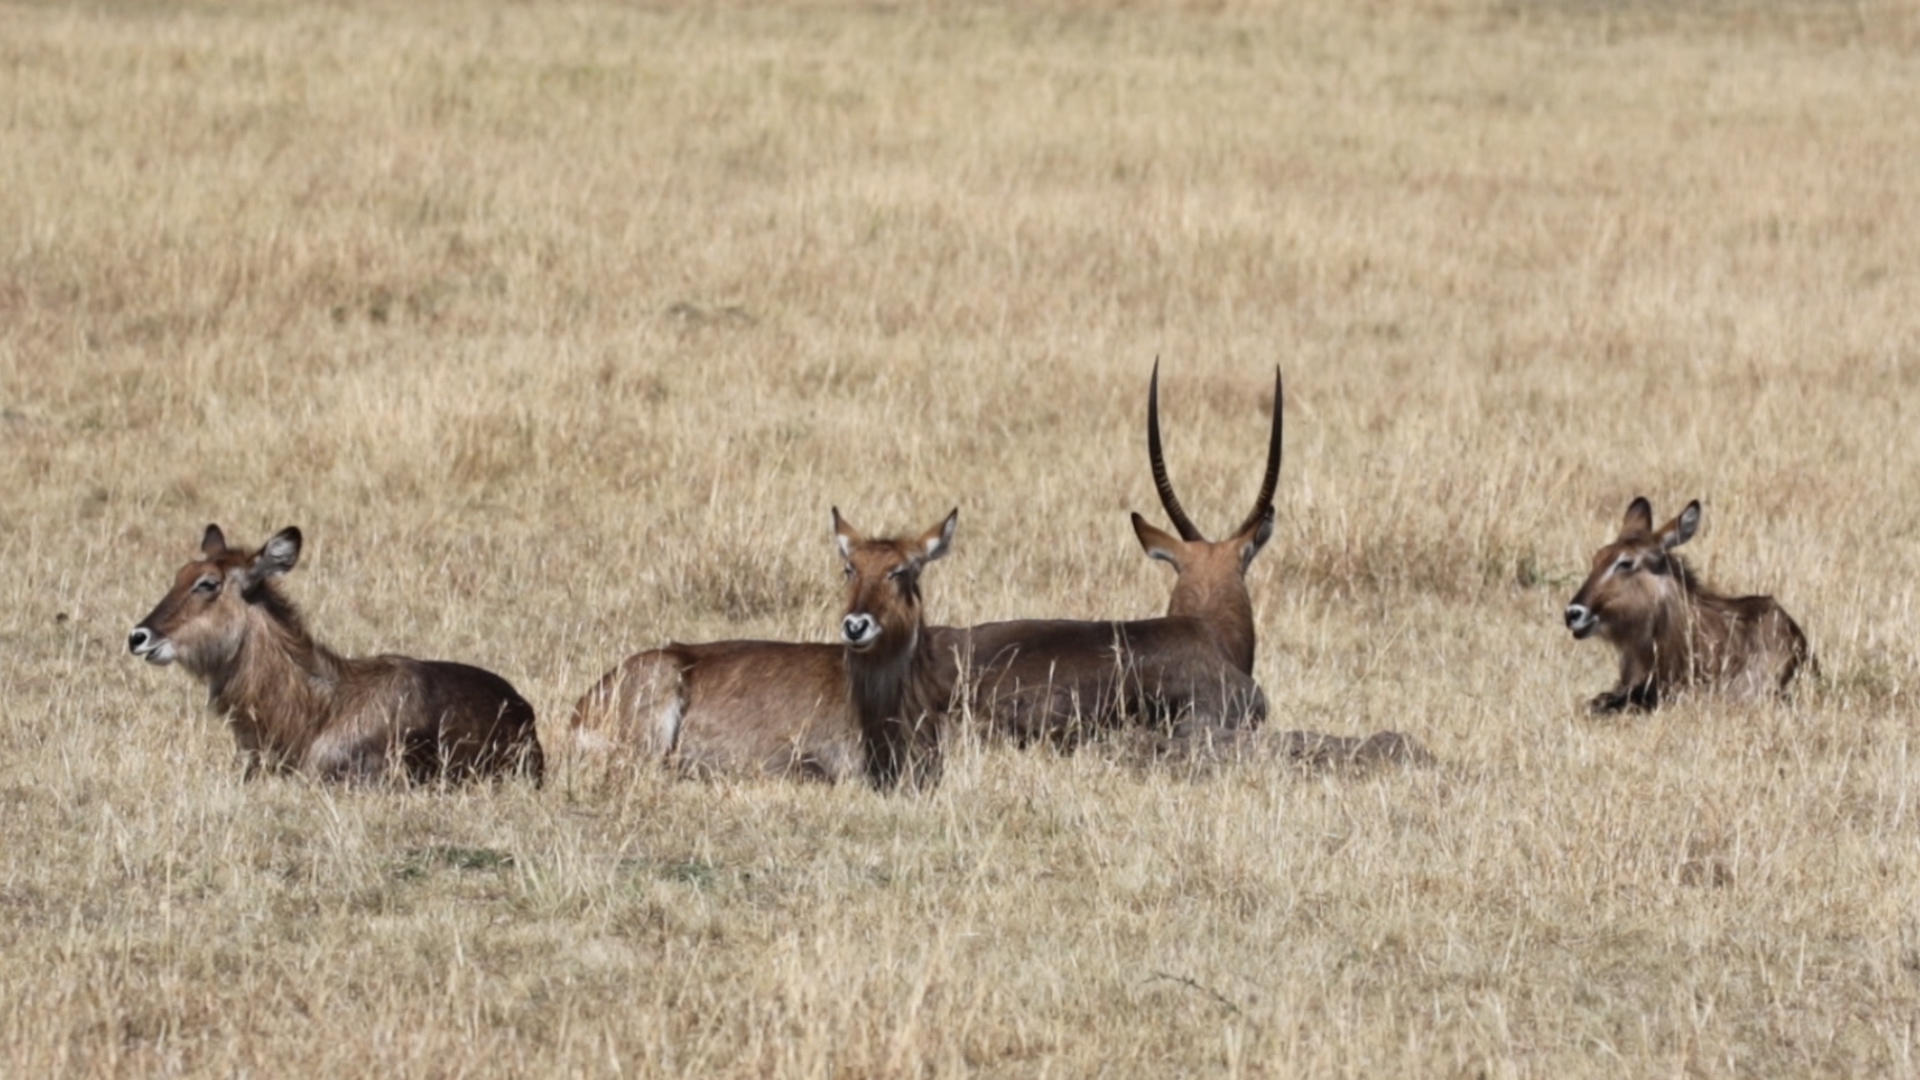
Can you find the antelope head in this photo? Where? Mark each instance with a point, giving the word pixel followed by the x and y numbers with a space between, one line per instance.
pixel 883 584
pixel 1633 577
pixel 203 618
pixel 1212 573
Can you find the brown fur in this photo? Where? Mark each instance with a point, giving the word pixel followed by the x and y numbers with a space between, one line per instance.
pixel 294 705
pixel 773 707
pixel 897 683
pixel 1671 632
pixel 806 711
pixel 1189 672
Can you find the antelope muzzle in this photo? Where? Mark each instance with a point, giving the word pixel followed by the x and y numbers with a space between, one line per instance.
pixel 859 631
pixel 1581 619
pixel 149 645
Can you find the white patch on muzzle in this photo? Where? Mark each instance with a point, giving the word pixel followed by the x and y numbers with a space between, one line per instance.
pixel 149 646
pixel 1581 620
pixel 859 630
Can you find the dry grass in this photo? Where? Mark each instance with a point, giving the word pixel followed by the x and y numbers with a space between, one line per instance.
pixel 558 329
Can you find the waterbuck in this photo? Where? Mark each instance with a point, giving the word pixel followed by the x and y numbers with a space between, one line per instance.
pixel 900 679
pixel 1189 671
pixel 1672 633
pixel 809 711
pixel 296 706
pixel 774 707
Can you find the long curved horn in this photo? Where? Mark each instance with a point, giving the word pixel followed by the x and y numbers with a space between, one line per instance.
pixel 1265 500
pixel 1181 523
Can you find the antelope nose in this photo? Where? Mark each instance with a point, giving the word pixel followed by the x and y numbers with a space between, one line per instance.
pixel 140 640
pixel 859 629
pixel 1578 615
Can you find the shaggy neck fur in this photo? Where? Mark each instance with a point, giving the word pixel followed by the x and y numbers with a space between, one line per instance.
pixel 1678 644
pixel 894 702
pixel 275 686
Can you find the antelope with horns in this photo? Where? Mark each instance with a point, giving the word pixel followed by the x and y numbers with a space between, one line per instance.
pixel 1190 671
pixel 1672 633
pixel 296 706
pixel 866 706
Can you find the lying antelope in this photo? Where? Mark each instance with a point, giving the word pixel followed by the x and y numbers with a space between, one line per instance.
pixel 1671 632
pixel 774 707
pixel 900 679
pixel 296 706
pixel 793 709
pixel 1190 671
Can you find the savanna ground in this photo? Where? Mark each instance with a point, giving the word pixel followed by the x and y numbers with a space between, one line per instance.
pixel 558 330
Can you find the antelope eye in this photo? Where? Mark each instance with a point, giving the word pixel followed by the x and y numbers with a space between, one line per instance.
pixel 207 586
pixel 1623 566
pixel 898 572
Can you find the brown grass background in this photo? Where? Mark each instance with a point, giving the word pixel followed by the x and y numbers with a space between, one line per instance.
pixel 558 328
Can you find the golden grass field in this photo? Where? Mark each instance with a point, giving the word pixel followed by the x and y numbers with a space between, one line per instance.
pixel 558 330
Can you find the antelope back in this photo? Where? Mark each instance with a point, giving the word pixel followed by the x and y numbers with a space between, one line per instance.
pixel 1635 579
pixel 203 618
pixel 1211 583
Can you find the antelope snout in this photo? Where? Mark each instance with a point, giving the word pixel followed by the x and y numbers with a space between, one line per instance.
pixel 1580 620
pixel 149 646
pixel 859 630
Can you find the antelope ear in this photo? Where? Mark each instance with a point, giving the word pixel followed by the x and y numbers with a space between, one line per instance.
pixel 1681 529
pixel 1256 540
pixel 1639 519
pixel 1159 544
pixel 277 557
pixel 937 540
pixel 845 535
pixel 213 542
